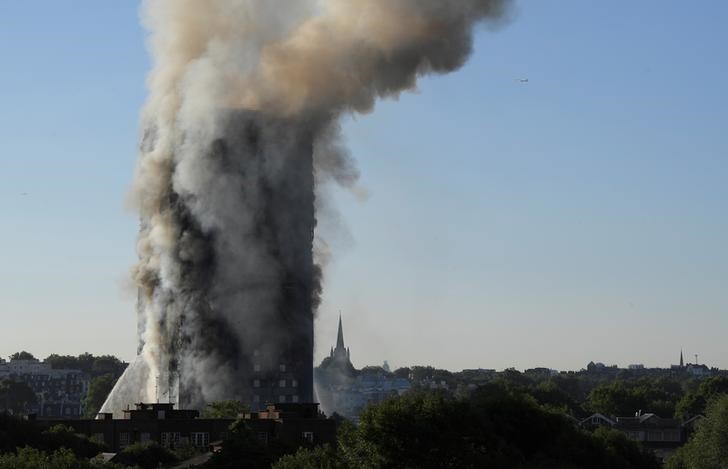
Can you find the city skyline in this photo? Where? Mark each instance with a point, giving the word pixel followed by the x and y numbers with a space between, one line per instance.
pixel 579 216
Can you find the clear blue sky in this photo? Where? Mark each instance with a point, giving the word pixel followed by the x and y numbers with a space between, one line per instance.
pixel 580 216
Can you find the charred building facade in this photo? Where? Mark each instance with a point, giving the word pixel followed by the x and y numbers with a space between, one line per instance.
pixel 268 304
pixel 240 323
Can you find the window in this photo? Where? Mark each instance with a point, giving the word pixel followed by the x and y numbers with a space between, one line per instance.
pixel 200 439
pixel 123 440
pixel 256 367
pixel 145 437
pixel 307 437
pixel 256 383
pixel 295 398
pixel 294 383
pixel 256 352
pixel 282 367
pixel 170 439
pixel 282 383
pixel 68 411
pixel 672 435
pixel 281 398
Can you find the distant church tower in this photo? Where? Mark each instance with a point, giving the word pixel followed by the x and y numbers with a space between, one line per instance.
pixel 682 362
pixel 340 354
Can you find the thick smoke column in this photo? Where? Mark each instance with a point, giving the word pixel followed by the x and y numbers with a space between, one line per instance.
pixel 239 131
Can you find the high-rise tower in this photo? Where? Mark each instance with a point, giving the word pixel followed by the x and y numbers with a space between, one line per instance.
pixel 257 279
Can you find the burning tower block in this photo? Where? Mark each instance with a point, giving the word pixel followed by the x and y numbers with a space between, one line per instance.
pixel 258 281
pixel 234 320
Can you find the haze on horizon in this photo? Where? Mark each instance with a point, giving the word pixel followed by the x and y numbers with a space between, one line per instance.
pixel 579 216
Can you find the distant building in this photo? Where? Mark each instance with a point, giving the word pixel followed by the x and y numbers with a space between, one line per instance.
pixel 59 393
pixel 637 366
pixel 662 435
pixel 698 370
pixel 289 424
pixel 340 355
pixel 343 389
pixel 597 420
pixel 542 372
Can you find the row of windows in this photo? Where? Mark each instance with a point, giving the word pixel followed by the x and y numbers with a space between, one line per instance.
pixel 281 398
pixel 655 435
pixel 281 384
pixel 281 367
pixel 65 411
pixel 168 439
pixel 306 437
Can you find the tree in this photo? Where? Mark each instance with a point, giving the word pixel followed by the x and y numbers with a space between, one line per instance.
pixel 223 410
pixel 98 391
pixel 694 402
pixel 17 433
pixel 624 398
pixel 22 356
pixel 552 397
pixel 145 456
pixel 62 362
pixel 63 436
pixel 32 458
pixel 708 447
pixel 320 457
pixel 16 397
pixel 241 445
pixel 617 443
pixel 494 428
pixel 89 364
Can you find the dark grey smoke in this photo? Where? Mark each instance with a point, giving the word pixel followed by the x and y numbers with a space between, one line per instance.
pixel 240 133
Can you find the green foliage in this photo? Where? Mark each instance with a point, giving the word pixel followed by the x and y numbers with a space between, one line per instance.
pixel 22 356
pixel 549 395
pixel 31 458
pixel 624 398
pixel 62 436
pixel 16 398
pixel 145 456
pixel 623 449
pixel 185 452
pixel 17 433
pixel 694 402
pixel 708 447
pixel 92 365
pixel 98 391
pixel 495 428
pixel 223 410
pixel 241 444
pixel 320 457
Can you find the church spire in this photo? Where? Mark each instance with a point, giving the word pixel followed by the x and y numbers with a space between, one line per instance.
pixel 340 336
pixel 682 362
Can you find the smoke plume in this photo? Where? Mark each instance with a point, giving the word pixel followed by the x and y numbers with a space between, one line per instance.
pixel 240 133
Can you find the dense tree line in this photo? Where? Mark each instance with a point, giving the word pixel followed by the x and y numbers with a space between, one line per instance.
pixel 613 392
pixel 498 425
pixel 494 427
pixel 708 447
pixel 16 433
